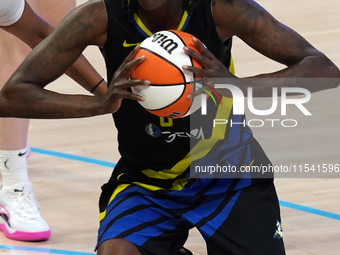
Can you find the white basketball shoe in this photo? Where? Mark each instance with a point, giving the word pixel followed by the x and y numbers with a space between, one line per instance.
pixel 20 218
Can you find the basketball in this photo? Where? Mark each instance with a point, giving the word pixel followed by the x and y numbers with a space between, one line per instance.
pixel 167 95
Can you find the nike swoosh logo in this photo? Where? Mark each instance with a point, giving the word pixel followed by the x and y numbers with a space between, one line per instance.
pixel 126 45
pixel 18 190
pixel 4 214
pixel 5 163
pixel 22 154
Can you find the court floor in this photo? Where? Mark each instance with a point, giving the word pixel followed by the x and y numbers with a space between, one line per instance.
pixel 71 159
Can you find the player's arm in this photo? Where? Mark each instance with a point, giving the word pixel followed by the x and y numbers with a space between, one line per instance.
pixel 32 29
pixel 261 31
pixel 24 94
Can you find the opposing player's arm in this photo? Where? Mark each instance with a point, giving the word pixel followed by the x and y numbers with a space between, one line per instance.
pixel 30 28
pixel 24 94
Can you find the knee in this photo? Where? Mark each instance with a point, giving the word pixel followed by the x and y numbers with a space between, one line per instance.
pixel 117 247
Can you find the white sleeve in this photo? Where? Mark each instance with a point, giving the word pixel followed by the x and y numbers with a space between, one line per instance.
pixel 11 11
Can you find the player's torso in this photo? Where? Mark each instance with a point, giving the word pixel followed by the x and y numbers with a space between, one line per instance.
pixel 145 140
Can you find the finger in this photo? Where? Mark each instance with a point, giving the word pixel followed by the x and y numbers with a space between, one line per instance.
pixel 128 59
pixel 201 58
pixel 131 55
pixel 130 95
pixel 131 83
pixel 195 93
pixel 198 71
pixel 196 88
pixel 203 49
pixel 127 68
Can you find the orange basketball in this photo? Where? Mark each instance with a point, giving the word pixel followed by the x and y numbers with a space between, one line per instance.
pixel 167 95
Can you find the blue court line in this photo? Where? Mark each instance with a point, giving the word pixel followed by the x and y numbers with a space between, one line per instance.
pixel 310 210
pixel 112 165
pixel 74 157
pixel 35 249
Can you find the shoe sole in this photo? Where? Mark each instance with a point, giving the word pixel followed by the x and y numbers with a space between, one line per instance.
pixel 25 236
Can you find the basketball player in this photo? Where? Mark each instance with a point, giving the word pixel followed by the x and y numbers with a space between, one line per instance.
pixel 150 202
pixel 20 218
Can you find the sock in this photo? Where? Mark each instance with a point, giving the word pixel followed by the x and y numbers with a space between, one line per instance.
pixel 13 167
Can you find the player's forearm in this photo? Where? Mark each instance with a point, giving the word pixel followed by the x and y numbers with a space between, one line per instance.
pixel 85 75
pixel 81 71
pixel 320 72
pixel 26 100
pixel 312 66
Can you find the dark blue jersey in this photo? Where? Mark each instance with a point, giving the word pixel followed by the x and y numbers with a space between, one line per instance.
pixel 155 147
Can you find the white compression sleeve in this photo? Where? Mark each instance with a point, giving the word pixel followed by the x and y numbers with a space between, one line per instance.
pixel 11 11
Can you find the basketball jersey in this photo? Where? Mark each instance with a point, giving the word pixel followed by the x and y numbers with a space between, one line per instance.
pixel 149 144
pixel 11 11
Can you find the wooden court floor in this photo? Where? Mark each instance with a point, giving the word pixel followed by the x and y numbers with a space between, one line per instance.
pixel 71 159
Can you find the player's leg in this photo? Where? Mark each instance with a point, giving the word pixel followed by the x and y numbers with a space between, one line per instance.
pixel 20 218
pixel 248 219
pixel 117 247
pixel 136 222
pixel 13 132
pixel 183 251
pixel 122 247
pixel 252 226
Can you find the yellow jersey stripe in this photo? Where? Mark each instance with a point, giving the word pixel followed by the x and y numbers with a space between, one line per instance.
pixel 183 20
pixel 149 33
pixel 141 25
pixel 119 189
pixel 177 185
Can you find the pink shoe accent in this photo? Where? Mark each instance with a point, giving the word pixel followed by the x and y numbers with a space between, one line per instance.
pixel 26 236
